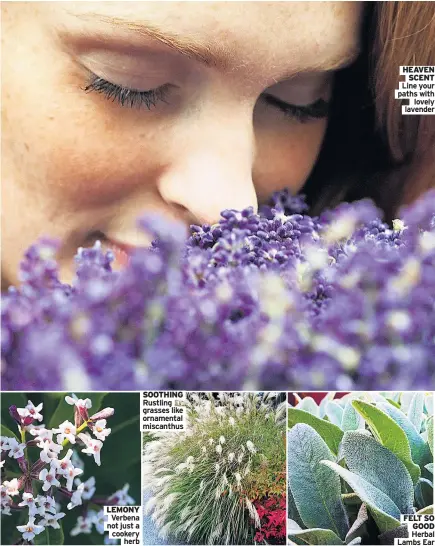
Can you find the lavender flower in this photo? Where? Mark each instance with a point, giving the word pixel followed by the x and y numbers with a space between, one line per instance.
pixel 275 300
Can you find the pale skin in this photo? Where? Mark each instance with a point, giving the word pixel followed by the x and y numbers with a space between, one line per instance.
pixel 75 163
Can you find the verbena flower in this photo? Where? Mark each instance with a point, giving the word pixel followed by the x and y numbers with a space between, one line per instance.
pixel 92 447
pixel 52 520
pixel 30 529
pixel 62 465
pixel 88 487
pixel 47 504
pixel 29 502
pixel 67 431
pixel 43 485
pixel 16 448
pixel 83 525
pixel 121 497
pixel 49 478
pixel 258 301
pixel 100 431
pixel 76 497
pixel 31 411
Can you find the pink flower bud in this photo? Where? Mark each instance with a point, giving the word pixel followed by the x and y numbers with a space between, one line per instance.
pixel 27 420
pixel 103 414
pixel 14 414
pixel 80 415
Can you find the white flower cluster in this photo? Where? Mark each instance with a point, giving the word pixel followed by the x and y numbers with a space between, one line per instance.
pixel 52 470
pixel 92 518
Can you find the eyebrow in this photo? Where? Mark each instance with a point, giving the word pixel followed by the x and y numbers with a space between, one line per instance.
pixel 202 53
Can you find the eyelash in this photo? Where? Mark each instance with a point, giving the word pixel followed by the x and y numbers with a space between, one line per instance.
pixel 131 98
pixel 126 96
pixel 303 114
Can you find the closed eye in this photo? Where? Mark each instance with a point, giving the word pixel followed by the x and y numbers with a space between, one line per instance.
pixel 317 110
pixel 126 96
pixel 134 98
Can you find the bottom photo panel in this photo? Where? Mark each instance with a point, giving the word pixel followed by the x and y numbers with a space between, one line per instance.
pixel 66 460
pixel 217 468
pixel 358 465
pixel 222 479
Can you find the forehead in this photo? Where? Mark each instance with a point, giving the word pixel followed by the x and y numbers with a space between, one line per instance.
pixel 268 38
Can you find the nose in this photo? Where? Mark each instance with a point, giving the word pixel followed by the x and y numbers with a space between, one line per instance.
pixel 211 172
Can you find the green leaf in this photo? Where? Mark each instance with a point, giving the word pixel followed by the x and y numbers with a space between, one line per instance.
pixel 329 396
pixel 420 451
pixel 351 419
pixel 317 536
pixel 334 412
pixel 423 493
pixel 389 434
pixel 351 499
pixel 65 412
pixel 428 404
pixel 378 465
pixel 316 490
pixel 429 428
pixel 393 403
pixel 415 410
pixel 6 432
pixel 391 395
pixel 427 510
pixel 50 536
pixel 123 447
pixel 308 404
pixel 429 467
pixel 330 433
pixel 385 512
pixel 125 435
pixel 405 401
pixel 292 511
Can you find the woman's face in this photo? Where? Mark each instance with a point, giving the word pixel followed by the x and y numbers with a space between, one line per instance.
pixel 224 103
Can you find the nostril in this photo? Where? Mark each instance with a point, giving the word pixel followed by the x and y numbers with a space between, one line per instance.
pixel 183 214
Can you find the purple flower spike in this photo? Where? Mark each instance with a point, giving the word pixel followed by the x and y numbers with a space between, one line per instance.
pixel 275 300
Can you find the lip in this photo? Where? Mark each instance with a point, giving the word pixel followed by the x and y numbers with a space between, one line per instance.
pixel 121 252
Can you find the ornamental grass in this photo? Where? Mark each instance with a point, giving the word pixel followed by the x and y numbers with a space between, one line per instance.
pixel 209 482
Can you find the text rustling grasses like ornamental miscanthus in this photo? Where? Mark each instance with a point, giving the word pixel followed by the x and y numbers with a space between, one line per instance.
pixel 274 300
pixel 54 482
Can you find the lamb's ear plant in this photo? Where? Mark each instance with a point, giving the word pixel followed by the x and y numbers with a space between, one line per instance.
pixel 356 464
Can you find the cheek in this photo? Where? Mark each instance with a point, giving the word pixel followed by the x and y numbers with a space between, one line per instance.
pixel 286 155
pixel 67 159
pixel 71 150
pixel 95 163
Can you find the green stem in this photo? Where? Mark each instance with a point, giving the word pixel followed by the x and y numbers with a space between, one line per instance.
pixel 23 441
pixel 80 429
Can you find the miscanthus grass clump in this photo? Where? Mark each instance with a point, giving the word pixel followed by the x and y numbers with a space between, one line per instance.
pixel 258 301
pixel 205 481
